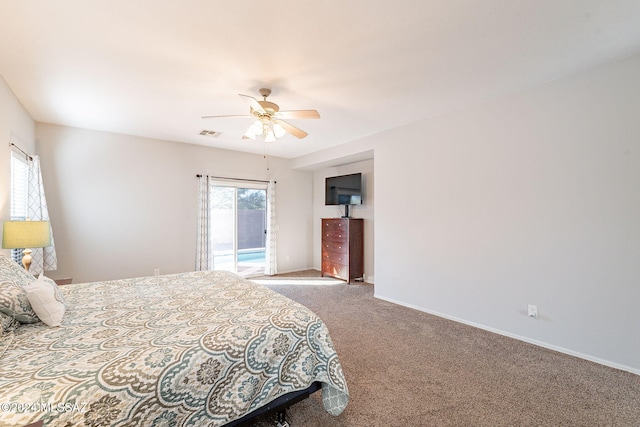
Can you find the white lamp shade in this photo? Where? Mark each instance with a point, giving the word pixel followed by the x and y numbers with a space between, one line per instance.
pixel 269 136
pixel 256 127
pixel 278 130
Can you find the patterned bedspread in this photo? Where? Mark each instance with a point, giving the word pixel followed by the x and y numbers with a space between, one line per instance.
pixel 192 349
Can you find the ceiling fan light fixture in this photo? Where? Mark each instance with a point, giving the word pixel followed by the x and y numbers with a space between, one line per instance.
pixel 250 133
pixel 269 136
pixel 278 130
pixel 256 127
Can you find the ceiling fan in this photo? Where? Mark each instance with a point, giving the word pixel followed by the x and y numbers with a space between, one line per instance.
pixel 270 121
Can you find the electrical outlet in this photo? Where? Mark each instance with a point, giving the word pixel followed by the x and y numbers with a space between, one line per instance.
pixel 156 272
pixel 533 311
pixel 286 258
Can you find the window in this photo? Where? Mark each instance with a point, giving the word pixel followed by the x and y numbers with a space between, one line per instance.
pixel 19 196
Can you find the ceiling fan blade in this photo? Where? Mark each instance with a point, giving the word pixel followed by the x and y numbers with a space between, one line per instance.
pixel 227 116
pixel 297 114
pixel 297 132
pixel 254 103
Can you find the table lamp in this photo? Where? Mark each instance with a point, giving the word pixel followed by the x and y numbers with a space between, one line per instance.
pixel 26 235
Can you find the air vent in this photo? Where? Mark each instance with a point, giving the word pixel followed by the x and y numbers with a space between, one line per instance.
pixel 211 133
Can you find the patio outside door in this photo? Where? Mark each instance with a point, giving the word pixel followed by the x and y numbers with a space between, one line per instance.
pixel 238 228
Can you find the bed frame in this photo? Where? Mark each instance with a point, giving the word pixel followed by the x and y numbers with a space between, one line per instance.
pixel 277 406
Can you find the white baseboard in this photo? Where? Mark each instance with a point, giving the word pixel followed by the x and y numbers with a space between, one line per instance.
pixel 295 271
pixel 518 337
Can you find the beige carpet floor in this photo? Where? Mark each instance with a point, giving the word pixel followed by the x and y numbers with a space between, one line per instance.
pixel 408 368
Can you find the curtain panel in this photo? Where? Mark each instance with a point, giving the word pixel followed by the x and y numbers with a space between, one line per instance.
pixel 43 259
pixel 204 254
pixel 271 264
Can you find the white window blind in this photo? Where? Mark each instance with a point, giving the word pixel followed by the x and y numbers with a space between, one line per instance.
pixel 18 202
pixel 19 182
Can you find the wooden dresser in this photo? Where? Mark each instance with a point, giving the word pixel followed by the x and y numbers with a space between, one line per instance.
pixel 343 248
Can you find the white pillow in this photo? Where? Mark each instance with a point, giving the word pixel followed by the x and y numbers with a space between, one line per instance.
pixel 46 300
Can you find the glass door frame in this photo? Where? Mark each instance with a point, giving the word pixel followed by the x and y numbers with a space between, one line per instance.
pixel 236 185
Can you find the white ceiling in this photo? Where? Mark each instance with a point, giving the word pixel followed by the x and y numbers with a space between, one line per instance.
pixel 153 67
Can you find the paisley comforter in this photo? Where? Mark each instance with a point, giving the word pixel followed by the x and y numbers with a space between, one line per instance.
pixel 192 349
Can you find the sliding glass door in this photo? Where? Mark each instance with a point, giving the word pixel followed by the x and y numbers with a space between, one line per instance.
pixel 239 227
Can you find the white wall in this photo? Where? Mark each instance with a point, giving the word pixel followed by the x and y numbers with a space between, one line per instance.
pixel 531 199
pixel 121 206
pixel 16 125
pixel 364 211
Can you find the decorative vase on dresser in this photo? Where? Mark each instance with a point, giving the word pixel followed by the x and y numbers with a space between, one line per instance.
pixel 343 248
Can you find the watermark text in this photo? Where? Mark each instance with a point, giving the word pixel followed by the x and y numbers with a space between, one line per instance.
pixel 21 408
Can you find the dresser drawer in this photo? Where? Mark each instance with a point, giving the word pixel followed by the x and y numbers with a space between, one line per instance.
pixel 335 258
pixel 334 225
pixel 335 270
pixel 335 236
pixel 335 246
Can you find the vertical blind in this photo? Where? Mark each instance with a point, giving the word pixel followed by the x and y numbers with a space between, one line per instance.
pixel 19 195
pixel 19 181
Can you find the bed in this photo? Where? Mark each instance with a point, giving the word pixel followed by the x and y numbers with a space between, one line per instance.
pixel 191 349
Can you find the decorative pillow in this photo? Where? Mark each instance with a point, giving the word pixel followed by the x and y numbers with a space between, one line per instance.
pixel 14 303
pixel 46 300
pixel 59 295
pixel 7 324
pixel 14 272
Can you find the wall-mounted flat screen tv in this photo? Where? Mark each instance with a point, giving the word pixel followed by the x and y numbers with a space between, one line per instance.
pixel 344 190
